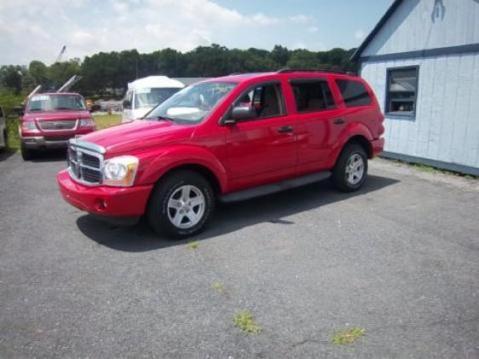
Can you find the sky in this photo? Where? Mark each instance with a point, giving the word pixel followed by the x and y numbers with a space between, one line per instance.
pixel 38 29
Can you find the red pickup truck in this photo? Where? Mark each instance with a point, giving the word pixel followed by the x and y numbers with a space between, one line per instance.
pixel 51 119
pixel 229 138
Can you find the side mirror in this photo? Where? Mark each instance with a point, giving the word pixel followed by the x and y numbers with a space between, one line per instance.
pixel 127 104
pixel 242 113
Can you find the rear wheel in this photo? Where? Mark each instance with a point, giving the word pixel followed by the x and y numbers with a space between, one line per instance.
pixel 26 153
pixel 181 204
pixel 351 170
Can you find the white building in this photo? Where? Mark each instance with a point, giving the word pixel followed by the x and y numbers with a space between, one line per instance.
pixel 422 60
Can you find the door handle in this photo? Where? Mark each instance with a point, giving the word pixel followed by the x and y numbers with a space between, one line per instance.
pixel 285 129
pixel 339 121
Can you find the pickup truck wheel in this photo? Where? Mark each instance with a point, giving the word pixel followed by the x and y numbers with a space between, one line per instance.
pixel 26 153
pixel 181 204
pixel 351 169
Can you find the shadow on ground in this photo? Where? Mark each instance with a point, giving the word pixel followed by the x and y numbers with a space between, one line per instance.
pixel 228 217
pixel 6 153
pixel 51 155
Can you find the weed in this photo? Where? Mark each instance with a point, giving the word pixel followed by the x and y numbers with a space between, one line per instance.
pixel 219 287
pixel 244 320
pixel 348 336
pixel 193 245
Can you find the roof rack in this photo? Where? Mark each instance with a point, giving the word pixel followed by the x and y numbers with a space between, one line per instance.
pixel 288 70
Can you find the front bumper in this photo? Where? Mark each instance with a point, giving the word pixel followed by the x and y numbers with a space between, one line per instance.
pixel 103 201
pixel 37 142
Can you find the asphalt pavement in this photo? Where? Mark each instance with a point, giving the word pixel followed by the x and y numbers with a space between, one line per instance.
pixel 399 259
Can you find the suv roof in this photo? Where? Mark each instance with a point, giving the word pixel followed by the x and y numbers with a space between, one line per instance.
pixel 305 72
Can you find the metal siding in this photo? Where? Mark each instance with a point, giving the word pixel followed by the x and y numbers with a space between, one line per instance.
pixel 446 126
pixel 411 27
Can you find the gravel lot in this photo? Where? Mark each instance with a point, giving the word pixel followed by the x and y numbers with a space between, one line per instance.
pixel 399 259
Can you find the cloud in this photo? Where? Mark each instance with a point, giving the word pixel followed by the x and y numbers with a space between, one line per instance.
pixel 42 27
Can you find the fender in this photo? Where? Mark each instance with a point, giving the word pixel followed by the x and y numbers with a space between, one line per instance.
pixel 350 131
pixel 155 164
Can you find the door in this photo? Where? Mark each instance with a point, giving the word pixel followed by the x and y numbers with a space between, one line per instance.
pixel 261 148
pixel 320 121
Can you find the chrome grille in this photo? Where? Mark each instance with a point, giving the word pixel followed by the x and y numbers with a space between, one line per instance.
pixel 85 162
pixel 58 125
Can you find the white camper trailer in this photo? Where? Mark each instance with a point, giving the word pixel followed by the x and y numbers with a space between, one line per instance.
pixel 146 93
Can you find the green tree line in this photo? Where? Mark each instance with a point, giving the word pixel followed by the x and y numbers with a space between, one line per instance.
pixel 105 71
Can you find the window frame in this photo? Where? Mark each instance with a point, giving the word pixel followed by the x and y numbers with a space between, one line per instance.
pixel 366 89
pixel 292 81
pixel 408 115
pixel 282 103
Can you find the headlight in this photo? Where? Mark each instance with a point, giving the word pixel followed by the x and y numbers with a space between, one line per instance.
pixel 29 126
pixel 120 171
pixel 86 122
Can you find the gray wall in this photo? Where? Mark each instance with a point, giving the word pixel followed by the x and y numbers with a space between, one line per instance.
pixel 413 26
pixel 446 125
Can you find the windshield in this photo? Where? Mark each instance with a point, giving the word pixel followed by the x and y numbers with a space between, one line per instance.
pixel 193 103
pixel 42 103
pixel 150 97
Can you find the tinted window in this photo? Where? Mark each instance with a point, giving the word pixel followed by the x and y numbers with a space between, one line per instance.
pixel 402 91
pixel 265 100
pixel 312 95
pixel 354 93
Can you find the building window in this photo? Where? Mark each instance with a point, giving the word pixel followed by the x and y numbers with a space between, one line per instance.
pixel 354 93
pixel 312 96
pixel 401 96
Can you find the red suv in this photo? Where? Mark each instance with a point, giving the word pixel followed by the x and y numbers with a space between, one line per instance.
pixel 229 138
pixel 51 119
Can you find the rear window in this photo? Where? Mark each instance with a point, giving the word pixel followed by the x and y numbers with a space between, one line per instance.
pixel 354 93
pixel 312 96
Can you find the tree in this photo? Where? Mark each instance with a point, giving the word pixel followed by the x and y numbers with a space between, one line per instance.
pixel 39 72
pixel 280 55
pixel 11 77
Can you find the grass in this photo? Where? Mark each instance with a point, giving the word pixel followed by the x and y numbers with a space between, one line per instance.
pixel 13 142
pixel 105 121
pixel 348 336
pixel 244 320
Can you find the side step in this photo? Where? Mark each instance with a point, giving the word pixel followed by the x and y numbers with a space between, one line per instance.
pixel 274 187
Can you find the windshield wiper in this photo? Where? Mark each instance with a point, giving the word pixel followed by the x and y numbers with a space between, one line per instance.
pixel 64 108
pixel 161 118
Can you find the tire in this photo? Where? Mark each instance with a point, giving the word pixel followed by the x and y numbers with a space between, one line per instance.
pixel 181 204
pixel 351 169
pixel 26 153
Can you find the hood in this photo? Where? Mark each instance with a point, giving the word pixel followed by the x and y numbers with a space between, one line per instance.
pixel 56 115
pixel 138 135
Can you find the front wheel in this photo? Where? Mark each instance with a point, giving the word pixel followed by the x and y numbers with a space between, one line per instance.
pixel 181 204
pixel 26 153
pixel 351 170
